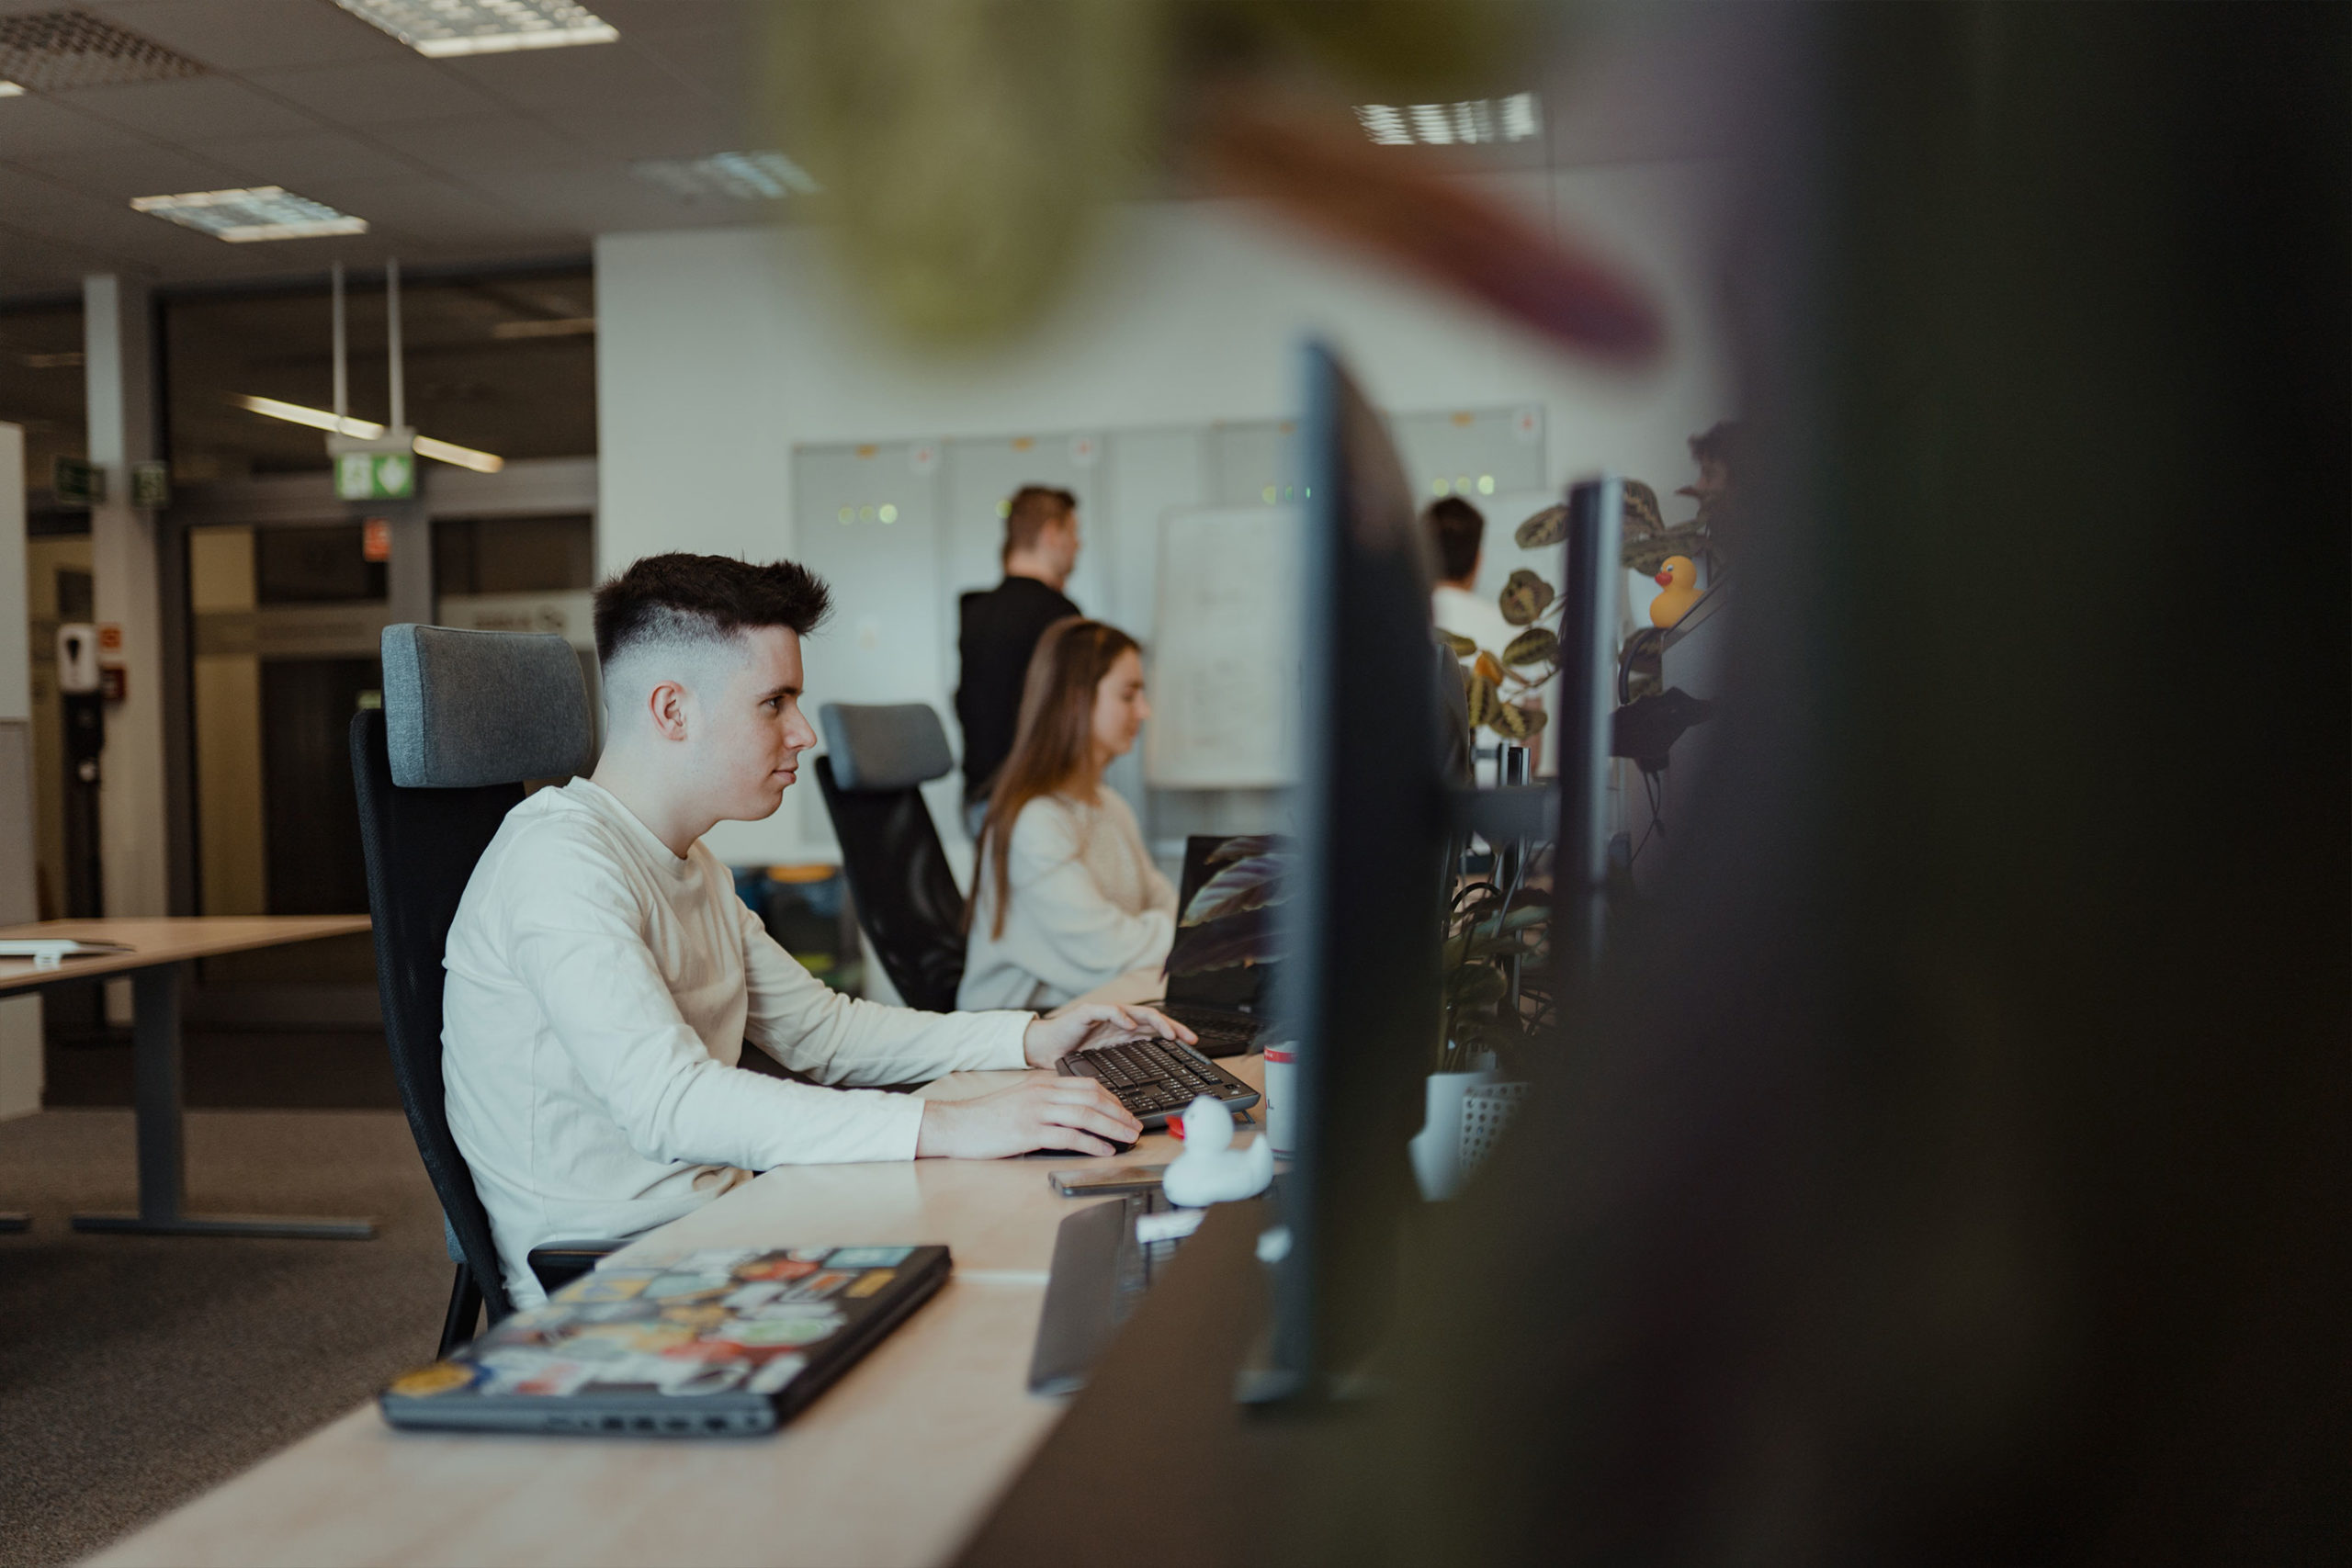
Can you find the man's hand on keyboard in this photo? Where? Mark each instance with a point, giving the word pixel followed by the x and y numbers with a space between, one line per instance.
pixel 1096 1023
pixel 1044 1113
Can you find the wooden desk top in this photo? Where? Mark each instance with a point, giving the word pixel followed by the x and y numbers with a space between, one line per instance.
pixel 896 1465
pixel 163 940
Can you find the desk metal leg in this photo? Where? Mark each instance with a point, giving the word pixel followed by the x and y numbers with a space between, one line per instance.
pixel 163 1158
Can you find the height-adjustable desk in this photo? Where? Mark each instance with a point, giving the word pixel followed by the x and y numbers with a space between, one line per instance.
pixel 159 948
pixel 896 1465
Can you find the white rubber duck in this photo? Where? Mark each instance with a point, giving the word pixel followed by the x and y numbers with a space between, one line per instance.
pixel 1210 1171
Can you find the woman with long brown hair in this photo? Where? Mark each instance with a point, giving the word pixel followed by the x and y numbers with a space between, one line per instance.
pixel 1064 895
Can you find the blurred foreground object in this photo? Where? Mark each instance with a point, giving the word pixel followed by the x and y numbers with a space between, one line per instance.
pixel 966 145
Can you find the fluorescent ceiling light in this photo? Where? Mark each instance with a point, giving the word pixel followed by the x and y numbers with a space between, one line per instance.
pixel 463 456
pixel 368 430
pixel 441 28
pixel 10 90
pixel 561 326
pixel 241 217
pixel 317 419
pixel 1515 119
pixel 742 176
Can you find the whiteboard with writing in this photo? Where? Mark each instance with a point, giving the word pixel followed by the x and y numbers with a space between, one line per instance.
pixel 1224 653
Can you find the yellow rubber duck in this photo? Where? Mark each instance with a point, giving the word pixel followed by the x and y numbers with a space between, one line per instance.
pixel 1679 579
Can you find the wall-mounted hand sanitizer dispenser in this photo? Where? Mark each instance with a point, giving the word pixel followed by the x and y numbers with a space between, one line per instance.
pixel 77 658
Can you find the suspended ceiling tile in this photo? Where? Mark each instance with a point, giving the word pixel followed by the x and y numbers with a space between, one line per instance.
pixel 662 127
pixel 305 164
pixel 201 108
pixel 599 199
pixel 117 173
pixel 655 18
pixel 467 146
pixel 381 92
pixel 35 124
pixel 253 35
pixel 724 62
pixel 420 206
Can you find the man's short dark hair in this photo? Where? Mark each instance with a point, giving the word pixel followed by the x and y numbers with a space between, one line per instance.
pixel 1719 442
pixel 1459 528
pixel 679 597
pixel 1032 510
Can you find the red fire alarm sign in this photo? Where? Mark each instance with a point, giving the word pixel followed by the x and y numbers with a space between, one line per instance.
pixel 376 539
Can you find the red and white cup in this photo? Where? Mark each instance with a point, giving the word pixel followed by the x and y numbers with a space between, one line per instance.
pixel 1281 1110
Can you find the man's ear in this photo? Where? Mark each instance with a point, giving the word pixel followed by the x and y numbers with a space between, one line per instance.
pixel 666 705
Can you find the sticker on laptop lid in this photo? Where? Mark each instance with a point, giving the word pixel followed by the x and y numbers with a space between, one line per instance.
pixel 771 1378
pixel 874 1280
pixel 867 1256
pixel 441 1377
pixel 776 1268
pixel 712 1260
pixel 803 1327
pixel 609 1285
pixel 817 1287
pixel 678 1284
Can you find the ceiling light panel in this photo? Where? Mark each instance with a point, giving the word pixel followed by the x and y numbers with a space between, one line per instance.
pixel 738 176
pixel 1519 117
pixel 48 51
pixel 241 217
pixel 442 27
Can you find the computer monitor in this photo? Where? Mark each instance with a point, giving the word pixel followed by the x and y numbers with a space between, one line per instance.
pixel 1361 926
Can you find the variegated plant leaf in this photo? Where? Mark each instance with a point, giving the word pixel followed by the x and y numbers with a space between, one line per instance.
pixel 1536 719
pixel 1486 667
pixel 1230 944
pixel 1548 526
pixel 1645 556
pixel 1510 721
pixel 1484 701
pixel 1241 846
pixel 1238 889
pixel 1524 597
pixel 1476 985
pixel 1642 515
pixel 1462 645
pixel 1536 645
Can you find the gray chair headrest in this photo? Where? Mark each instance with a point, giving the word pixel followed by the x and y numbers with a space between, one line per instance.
pixel 892 747
pixel 463 709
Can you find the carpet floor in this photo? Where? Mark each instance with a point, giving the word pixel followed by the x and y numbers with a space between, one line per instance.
pixel 136 1371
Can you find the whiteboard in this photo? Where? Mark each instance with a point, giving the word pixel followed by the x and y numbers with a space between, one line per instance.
pixel 1224 665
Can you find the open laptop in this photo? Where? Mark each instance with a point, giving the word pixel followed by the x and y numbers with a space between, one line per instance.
pixel 1220 1004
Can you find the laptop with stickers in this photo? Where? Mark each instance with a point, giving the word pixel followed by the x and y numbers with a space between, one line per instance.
pixel 719 1343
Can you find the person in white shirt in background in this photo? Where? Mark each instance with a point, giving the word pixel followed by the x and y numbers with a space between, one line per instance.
pixel 1065 895
pixel 1459 531
pixel 603 977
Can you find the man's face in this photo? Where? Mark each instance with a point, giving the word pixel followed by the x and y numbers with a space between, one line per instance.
pixel 1061 541
pixel 746 730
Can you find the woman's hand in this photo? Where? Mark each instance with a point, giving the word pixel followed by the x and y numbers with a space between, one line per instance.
pixel 1048 1040
pixel 1042 1113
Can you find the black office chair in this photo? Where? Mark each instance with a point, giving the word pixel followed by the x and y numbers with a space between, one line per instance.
pixel 467 717
pixel 876 759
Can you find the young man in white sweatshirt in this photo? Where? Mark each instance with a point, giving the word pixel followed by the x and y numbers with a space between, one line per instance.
pixel 603 977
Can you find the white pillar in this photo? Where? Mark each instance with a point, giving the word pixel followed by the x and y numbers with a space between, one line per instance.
pixel 21 1058
pixel 119 362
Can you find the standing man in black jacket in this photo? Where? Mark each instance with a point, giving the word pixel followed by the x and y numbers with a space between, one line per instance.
pixel 1002 625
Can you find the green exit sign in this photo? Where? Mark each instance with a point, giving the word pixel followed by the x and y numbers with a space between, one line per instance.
pixel 375 476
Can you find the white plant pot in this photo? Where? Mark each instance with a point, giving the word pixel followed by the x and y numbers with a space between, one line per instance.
pixel 1437 1147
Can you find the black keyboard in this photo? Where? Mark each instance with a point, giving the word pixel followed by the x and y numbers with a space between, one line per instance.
pixel 1156 1079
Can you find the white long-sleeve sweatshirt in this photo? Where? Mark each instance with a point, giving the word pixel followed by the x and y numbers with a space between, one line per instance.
pixel 599 993
pixel 1087 905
